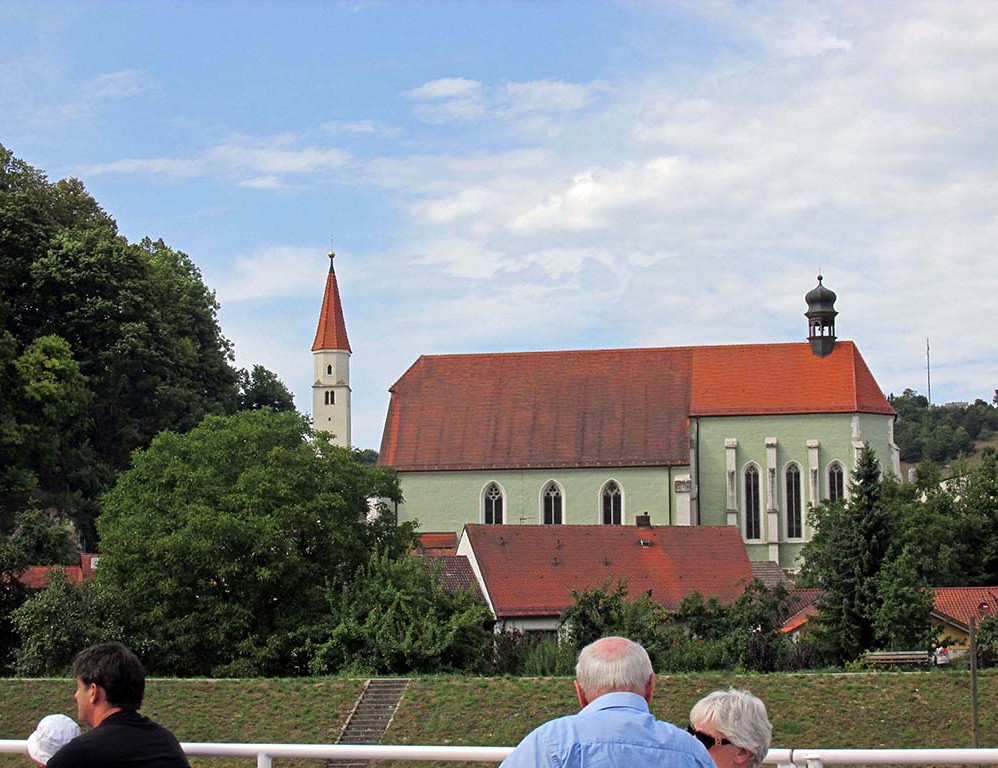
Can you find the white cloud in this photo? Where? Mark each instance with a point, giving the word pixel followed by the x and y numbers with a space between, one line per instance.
pixel 254 163
pixel 457 99
pixel 117 85
pixel 269 272
pixel 446 88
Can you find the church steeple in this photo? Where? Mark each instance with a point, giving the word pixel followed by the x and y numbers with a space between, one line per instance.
pixel 821 319
pixel 332 330
pixel 331 363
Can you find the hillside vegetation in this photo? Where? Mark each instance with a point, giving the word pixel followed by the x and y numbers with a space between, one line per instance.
pixel 860 710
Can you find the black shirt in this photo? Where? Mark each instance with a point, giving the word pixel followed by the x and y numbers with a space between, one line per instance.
pixel 124 739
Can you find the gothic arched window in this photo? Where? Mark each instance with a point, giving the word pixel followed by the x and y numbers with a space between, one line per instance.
pixel 492 505
pixel 836 482
pixel 552 500
pixel 753 520
pixel 612 504
pixel 795 519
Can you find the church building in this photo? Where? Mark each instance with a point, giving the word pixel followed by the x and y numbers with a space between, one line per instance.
pixel 742 435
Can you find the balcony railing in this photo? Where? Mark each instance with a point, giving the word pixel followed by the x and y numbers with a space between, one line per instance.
pixel 783 758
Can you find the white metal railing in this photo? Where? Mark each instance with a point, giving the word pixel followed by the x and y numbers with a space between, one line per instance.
pixel 783 758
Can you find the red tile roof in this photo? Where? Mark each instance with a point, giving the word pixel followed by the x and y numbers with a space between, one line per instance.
pixel 801 608
pixel 332 330
pixel 613 408
pixel 762 379
pixel 770 574
pixel 960 604
pixel 456 573
pixel 531 570
pixel 430 543
pixel 37 576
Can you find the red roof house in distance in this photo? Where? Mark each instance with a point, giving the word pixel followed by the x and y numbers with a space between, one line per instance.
pixel 39 576
pixel 527 572
pixel 745 435
pixel 954 607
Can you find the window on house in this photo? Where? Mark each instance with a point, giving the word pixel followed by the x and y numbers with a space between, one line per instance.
pixel 836 482
pixel 753 521
pixel 612 504
pixel 552 504
pixel 795 520
pixel 493 505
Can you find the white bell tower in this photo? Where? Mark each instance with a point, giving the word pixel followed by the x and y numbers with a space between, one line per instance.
pixel 331 363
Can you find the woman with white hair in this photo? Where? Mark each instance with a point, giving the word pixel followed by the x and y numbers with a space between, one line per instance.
pixel 733 726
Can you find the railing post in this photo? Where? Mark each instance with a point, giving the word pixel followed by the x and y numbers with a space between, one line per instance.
pixel 263 760
pixel 815 763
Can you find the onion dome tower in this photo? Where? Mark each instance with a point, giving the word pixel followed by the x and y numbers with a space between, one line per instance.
pixel 331 362
pixel 821 319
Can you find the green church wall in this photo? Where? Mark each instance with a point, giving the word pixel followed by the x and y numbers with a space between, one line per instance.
pixel 835 434
pixel 445 501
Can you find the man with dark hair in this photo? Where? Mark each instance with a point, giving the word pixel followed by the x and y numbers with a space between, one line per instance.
pixel 110 684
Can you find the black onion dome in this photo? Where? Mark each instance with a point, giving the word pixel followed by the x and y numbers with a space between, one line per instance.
pixel 820 298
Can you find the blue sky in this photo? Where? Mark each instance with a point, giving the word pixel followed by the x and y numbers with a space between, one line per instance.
pixel 539 175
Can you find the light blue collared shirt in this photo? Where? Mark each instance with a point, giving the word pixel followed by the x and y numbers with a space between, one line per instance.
pixel 614 731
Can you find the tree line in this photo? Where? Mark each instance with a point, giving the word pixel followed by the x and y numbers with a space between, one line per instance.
pixel 103 345
pixel 940 433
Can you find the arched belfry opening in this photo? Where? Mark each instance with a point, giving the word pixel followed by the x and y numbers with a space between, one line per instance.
pixel 821 319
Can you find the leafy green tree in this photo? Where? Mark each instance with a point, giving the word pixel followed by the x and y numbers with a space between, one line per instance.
pixel 42 537
pixel 902 619
pixel 226 541
pixel 12 595
pixel 602 611
pixel 978 522
pixel 394 617
pixel 261 388
pixel 54 625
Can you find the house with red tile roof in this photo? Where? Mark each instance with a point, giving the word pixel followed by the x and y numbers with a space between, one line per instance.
pixel 953 609
pixel 742 435
pixel 38 576
pixel 527 572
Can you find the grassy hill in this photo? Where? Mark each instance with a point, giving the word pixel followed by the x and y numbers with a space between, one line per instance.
pixel 914 709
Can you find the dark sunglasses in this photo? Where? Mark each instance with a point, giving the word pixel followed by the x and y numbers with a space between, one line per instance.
pixel 705 738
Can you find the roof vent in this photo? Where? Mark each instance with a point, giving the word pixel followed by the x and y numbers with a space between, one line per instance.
pixel 556 561
pixel 607 561
pixel 984 607
pixel 643 520
pixel 645 543
pixel 502 542
pixel 557 544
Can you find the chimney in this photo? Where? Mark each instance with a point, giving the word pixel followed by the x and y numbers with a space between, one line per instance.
pixel 643 520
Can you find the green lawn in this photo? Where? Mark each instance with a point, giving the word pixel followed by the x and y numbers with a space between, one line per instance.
pixel 914 709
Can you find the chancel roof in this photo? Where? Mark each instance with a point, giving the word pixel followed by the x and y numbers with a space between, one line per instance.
pixel 612 408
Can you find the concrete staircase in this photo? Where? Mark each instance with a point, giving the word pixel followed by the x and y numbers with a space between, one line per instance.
pixel 370 717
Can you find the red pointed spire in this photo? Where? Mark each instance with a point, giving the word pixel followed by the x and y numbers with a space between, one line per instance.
pixel 332 330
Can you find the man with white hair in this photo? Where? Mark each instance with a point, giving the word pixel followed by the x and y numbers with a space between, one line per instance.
pixel 614 682
pixel 733 726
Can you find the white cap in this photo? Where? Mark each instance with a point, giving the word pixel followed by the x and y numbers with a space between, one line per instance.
pixel 53 732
